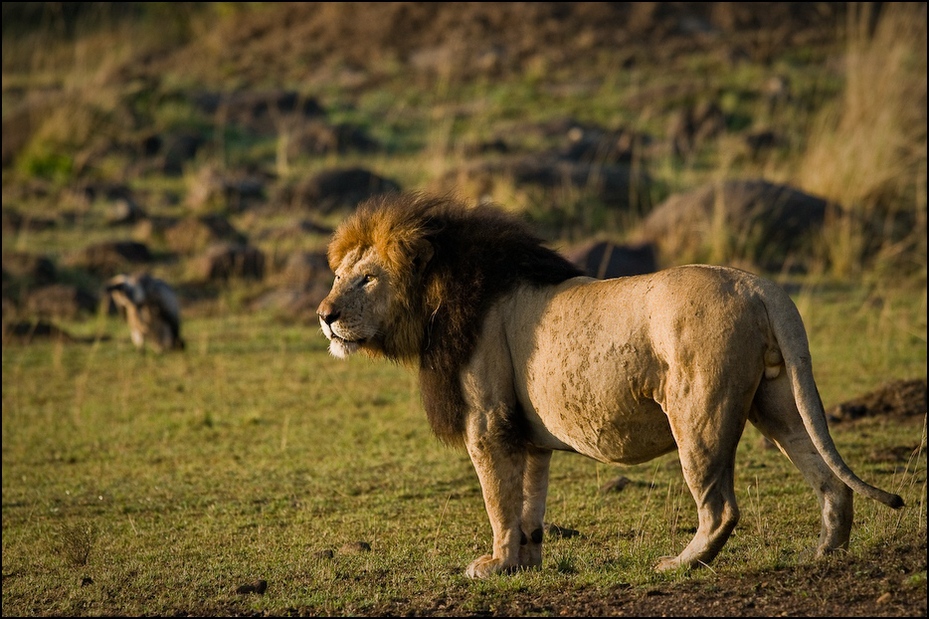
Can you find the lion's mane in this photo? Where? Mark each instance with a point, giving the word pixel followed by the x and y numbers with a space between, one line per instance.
pixel 448 264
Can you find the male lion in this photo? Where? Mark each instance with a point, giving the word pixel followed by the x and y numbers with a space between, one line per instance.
pixel 151 309
pixel 520 355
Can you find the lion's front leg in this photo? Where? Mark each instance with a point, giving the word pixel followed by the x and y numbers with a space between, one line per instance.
pixel 502 465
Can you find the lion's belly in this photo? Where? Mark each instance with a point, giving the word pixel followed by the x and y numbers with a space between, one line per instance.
pixel 589 378
pixel 607 425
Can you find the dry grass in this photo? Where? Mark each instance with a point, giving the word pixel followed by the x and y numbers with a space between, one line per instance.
pixel 868 152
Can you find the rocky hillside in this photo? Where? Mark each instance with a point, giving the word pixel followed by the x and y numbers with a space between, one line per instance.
pixel 217 145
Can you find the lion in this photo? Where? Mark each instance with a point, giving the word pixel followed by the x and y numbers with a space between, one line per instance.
pixel 519 354
pixel 151 309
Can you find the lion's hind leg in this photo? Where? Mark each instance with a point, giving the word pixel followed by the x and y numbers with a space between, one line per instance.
pixel 707 437
pixel 776 416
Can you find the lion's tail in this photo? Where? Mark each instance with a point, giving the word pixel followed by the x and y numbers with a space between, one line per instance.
pixel 790 334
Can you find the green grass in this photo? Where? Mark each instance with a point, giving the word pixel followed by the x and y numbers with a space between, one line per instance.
pixel 863 335
pixel 169 481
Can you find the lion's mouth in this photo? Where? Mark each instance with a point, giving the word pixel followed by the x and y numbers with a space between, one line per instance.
pixel 332 336
pixel 347 342
pixel 341 347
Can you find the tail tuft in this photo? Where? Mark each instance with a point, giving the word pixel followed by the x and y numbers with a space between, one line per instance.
pixel 896 501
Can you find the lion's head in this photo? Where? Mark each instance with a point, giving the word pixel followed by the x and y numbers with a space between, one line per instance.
pixel 378 255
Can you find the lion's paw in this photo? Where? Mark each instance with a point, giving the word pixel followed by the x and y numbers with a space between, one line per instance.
pixel 667 564
pixel 819 553
pixel 485 566
pixel 530 556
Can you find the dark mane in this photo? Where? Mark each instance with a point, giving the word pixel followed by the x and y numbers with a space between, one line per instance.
pixel 480 254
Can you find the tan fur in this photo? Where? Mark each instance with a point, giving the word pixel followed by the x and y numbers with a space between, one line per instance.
pixel 620 370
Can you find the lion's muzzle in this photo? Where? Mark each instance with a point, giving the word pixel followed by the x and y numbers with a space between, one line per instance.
pixel 340 344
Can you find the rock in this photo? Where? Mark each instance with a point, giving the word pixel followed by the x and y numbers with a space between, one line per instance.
pixel 258 586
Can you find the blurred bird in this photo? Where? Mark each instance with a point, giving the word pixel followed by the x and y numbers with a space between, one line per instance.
pixel 151 309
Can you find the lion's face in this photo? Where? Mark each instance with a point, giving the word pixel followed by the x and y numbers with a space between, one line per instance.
pixel 354 314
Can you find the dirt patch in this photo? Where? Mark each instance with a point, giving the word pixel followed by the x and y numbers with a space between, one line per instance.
pixel 881 584
pixel 898 399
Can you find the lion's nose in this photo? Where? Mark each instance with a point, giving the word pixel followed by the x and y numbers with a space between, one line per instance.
pixel 327 313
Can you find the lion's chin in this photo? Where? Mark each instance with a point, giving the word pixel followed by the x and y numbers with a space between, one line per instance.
pixel 342 348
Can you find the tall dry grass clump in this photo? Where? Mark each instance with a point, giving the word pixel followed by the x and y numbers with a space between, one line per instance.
pixel 868 152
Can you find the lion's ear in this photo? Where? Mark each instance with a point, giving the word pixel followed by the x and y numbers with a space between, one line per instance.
pixel 422 254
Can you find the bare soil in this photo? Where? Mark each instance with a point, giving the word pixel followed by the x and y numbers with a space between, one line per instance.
pixel 878 585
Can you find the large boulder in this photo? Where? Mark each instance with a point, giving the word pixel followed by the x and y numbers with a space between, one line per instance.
pixel 339 189
pixel 32 270
pixel 605 260
pixel 61 301
pixel 226 261
pixel 191 235
pixel 110 257
pixel 766 223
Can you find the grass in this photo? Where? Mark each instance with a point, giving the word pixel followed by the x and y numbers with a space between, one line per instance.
pixel 889 326
pixel 158 485
pixel 171 481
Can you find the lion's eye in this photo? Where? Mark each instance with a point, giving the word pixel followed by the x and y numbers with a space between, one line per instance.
pixel 364 280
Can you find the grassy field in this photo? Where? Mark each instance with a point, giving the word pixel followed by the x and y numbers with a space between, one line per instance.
pixel 139 484
pixel 142 484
